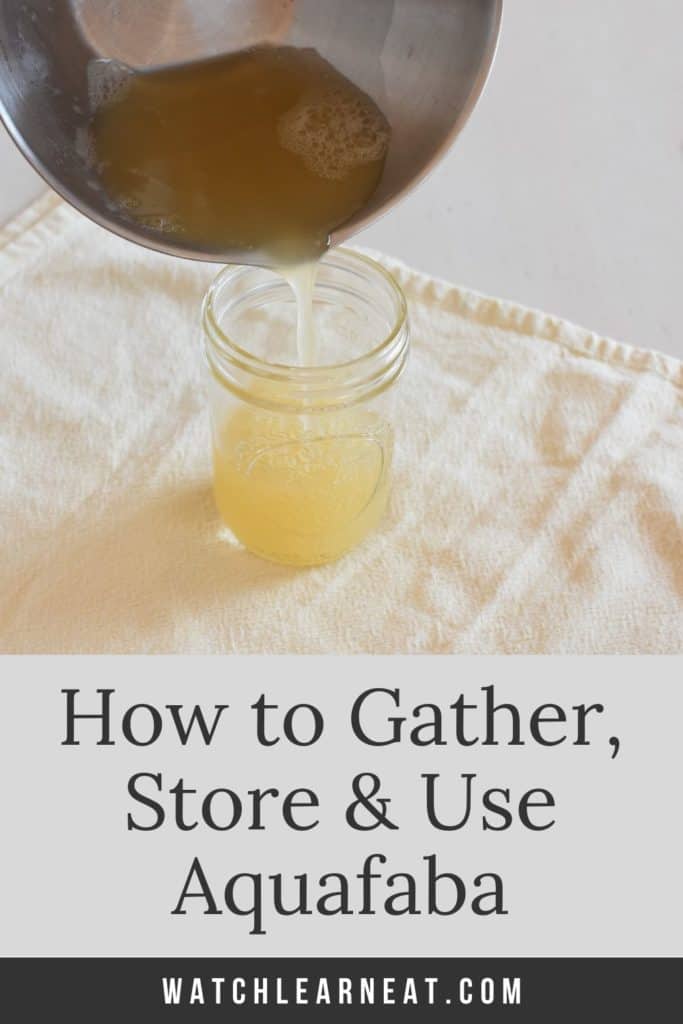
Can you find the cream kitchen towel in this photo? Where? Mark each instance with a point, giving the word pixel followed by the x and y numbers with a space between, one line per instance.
pixel 537 505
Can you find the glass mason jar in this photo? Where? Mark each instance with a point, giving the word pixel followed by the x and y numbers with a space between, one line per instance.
pixel 302 454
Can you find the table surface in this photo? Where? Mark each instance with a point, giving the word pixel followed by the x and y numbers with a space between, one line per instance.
pixel 565 192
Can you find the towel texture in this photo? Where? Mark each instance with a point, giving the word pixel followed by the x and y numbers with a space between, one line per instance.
pixel 538 489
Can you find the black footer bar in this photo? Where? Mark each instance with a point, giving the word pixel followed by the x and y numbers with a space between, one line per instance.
pixel 432 989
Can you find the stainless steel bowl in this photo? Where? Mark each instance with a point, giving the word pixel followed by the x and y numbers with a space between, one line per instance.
pixel 425 62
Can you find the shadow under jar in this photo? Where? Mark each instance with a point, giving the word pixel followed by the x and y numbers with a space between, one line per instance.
pixel 302 455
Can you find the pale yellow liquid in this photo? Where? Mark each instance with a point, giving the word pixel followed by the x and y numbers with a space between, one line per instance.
pixel 300 492
pixel 301 279
pixel 268 150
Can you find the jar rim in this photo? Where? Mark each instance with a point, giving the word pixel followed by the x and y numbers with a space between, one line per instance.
pixel 246 361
